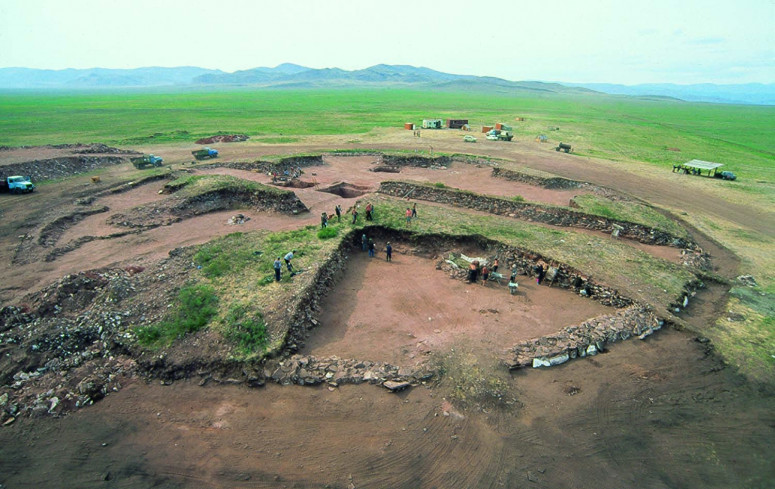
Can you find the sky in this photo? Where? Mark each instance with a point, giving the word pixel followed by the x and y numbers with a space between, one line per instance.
pixel 603 41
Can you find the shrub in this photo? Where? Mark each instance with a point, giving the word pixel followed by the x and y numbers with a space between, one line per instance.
pixel 439 185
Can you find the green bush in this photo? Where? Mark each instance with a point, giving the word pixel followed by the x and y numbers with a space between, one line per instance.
pixel 197 304
pixel 439 185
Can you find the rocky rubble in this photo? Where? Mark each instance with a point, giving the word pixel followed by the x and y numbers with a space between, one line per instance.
pixel 587 338
pixel 72 343
pixel 546 182
pixel 281 166
pixel 223 138
pixel 558 274
pixel 335 371
pixel 532 212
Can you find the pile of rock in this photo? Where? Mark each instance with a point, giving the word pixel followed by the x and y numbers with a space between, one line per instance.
pixel 223 138
pixel 335 371
pixel 587 338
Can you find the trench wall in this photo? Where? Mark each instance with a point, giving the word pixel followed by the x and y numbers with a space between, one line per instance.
pixel 556 216
pixel 280 166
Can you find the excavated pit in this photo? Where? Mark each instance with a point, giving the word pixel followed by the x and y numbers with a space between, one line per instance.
pixel 347 190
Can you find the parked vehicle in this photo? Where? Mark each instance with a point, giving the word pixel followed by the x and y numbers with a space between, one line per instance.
pixel 469 139
pixel 16 185
pixel 146 161
pixel 726 175
pixel 563 147
pixel 205 154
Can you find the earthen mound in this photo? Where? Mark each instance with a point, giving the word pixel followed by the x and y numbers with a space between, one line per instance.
pixel 223 138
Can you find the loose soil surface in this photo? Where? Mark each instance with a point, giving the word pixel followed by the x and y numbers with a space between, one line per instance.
pixel 403 310
pixel 658 413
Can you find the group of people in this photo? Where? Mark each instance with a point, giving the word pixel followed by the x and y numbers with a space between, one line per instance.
pixel 411 213
pixel 367 244
pixel 278 265
pixel 476 268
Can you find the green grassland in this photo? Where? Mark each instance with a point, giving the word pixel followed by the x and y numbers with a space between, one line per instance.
pixel 610 127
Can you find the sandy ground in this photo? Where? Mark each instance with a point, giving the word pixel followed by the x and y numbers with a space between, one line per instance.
pixel 659 413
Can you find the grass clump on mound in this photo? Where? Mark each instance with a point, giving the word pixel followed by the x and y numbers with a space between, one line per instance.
pixel 197 304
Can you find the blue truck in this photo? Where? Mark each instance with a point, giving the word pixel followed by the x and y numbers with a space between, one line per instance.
pixel 146 161
pixel 17 184
pixel 205 154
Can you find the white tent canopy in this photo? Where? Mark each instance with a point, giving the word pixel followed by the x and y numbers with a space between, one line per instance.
pixel 702 165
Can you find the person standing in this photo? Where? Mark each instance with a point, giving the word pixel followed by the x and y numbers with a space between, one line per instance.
pixel 540 272
pixel 408 215
pixel 338 210
pixel 364 242
pixel 355 214
pixel 414 210
pixel 495 266
pixel 389 252
pixel 369 208
pixel 288 257
pixel 278 268
pixel 485 274
pixel 323 220
pixel 473 272
pixel 371 248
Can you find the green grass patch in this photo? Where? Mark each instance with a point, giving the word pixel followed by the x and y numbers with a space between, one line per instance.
pixel 629 212
pixel 245 326
pixel 328 232
pixel 196 306
pixel 615 128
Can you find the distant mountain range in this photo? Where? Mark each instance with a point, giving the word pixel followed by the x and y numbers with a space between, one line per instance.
pixel 748 93
pixel 292 76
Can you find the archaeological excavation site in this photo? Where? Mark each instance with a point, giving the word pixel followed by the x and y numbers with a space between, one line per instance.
pixel 242 318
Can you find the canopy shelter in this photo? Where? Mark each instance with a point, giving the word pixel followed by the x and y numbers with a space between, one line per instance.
pixel 696 167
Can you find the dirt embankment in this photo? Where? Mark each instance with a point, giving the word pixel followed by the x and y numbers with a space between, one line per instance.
pixel 537 213
pixel 65 160
pixel 280 166
pixel 175 209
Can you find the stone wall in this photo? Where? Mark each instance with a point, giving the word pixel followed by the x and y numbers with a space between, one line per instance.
pixel 546 182
pixel 587 338
pixel 558 274
pixel 415 160
pixel 289 164
pixel 532 212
